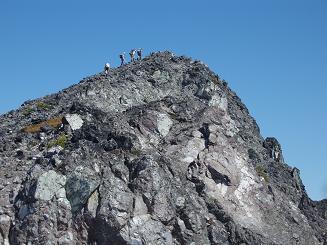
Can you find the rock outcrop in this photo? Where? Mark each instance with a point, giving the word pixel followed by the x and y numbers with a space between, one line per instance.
pixel 160 151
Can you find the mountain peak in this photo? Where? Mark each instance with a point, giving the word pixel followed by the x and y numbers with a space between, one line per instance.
pixel 159 151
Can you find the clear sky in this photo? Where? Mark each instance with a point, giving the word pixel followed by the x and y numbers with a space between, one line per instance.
pixel 273 53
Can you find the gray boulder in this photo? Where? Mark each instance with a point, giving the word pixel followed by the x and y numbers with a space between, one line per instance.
pixel 49 184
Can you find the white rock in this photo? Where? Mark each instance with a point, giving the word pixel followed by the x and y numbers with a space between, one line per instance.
pixel 139 220
pixel 193 148
pixel 93 202
pixel 180 202
pixel 231 128
pixel 67 239
pixel 49 184
pixel 4 228
pixel 139 206
pixel 164 124
pixel 54 150
pixel 42 136
pixel 91 93
pixel 222 188
pixel 181 224
pixel 61 193
pixel 74 121
pixel 220 102
pixel 64 201
pixel 196 134
pixel 156 74
pixel 96 167
pixel 213 128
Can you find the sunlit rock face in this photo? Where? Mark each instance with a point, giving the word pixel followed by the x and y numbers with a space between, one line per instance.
pixel 160 151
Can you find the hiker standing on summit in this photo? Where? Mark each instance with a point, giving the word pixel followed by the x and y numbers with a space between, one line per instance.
pixel 106 68
pixel 139 54
pixel 132 54
pixel 122 58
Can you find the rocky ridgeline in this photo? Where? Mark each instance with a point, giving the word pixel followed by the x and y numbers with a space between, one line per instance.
pixel 159 152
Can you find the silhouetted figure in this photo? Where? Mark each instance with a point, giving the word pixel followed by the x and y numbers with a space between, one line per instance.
pixel 122 58
pixel 132 54
pixel 139 54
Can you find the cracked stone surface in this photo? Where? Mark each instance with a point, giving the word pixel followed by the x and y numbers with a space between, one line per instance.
pixel 160 151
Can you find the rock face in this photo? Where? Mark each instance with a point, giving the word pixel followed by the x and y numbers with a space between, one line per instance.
pixel 160 151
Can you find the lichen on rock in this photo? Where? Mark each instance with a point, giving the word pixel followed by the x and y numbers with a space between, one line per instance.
pixel 49 184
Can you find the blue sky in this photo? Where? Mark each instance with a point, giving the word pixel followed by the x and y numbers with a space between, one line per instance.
pixel 273 53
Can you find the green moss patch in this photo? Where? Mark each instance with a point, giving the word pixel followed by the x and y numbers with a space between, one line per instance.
pixel 60 141
pixel 262 172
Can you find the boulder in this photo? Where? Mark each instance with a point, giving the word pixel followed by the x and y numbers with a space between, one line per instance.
pixel 74 121
pixel 80 185
pixel 164 124
pixel 49 184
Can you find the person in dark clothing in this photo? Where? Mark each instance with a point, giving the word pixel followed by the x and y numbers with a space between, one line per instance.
pixel 139 54
pixel 122 58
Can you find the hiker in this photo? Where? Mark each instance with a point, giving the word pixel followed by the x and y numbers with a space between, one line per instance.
pixel 139 54
pixel 132 54
pixel 122 58
pixel 106 68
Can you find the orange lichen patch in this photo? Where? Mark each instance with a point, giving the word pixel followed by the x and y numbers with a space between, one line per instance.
pixel 35 128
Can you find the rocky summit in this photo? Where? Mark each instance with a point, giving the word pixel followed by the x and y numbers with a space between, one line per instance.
pixel 159 151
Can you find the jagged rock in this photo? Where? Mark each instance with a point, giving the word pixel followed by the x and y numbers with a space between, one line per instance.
pixel 80 185
pixel 161 151
pixel 274 148
pixel 93 203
